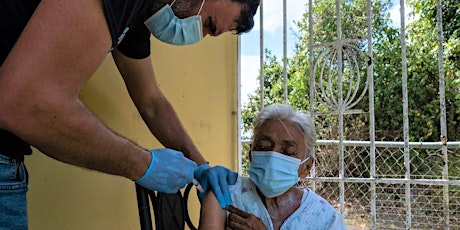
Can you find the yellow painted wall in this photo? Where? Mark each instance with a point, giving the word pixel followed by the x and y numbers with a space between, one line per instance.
pixel 200 81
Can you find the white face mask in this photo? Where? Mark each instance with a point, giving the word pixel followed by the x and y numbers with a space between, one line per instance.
pixel 168 28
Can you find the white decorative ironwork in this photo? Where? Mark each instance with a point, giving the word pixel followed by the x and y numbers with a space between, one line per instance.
pixel 327 78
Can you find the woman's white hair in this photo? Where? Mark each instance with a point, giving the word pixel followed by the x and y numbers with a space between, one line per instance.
pixel 286 112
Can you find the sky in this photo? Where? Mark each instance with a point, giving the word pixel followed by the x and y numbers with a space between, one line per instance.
pixel 273 38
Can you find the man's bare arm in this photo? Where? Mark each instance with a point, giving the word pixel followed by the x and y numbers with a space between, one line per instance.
pixel 154 108
pixel 63 44
pixel 163 122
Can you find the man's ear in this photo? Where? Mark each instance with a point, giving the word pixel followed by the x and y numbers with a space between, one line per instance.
pixel 305 170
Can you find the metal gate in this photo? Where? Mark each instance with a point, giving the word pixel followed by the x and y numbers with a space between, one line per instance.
pixel 377 184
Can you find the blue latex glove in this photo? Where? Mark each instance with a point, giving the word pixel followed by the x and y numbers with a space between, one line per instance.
pixel 168 172
pixel 216 178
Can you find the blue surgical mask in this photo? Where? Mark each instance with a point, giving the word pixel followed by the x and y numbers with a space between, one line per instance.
pixel 168 28
pixel 274 173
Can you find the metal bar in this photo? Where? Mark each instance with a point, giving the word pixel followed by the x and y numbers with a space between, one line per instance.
pixel 420 145
pixel 387 144
pixel 143 205
pixel 442 100
pixel 370 77
pixel 385 180
pixel 405 112
pixel 261 51
pixel 312 78
pixel 341 105
pixel 285 53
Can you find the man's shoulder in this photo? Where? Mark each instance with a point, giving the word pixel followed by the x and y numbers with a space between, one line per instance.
pixel 124 15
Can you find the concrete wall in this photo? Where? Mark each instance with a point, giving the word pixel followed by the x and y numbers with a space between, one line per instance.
pixel 201 83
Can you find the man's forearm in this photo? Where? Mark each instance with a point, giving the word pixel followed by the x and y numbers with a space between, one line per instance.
pixel 154 108
pixel 68 132
pixel 167 128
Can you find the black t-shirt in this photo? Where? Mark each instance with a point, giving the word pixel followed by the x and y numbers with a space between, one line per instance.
pixel 126 23
pixel 125 19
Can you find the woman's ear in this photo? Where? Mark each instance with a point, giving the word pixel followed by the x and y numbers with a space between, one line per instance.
pixel 305 170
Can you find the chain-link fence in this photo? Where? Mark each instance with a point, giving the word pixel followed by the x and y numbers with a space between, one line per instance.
pixel 428 199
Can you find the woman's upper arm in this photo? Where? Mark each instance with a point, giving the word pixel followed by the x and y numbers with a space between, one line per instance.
pixel 212 216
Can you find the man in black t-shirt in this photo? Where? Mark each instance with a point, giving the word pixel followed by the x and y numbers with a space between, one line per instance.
pixel 49 49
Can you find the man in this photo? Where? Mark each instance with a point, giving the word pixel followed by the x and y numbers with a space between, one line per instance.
pixel 50 48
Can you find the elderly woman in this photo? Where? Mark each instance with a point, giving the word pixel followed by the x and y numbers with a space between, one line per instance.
pixel 268 199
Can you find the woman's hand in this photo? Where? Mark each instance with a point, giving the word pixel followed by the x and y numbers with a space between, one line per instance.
pixel 242 220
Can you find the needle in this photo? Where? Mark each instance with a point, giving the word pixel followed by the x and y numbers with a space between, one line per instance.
pixel 198 185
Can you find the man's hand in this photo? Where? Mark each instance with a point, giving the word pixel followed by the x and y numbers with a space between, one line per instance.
pixel 168 172
pixel 217 178
pixel 242 220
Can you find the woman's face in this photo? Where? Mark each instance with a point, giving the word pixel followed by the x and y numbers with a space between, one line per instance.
pixel 284 137
pixel 280 136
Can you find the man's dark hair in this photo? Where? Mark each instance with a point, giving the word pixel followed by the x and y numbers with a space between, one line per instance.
pixel 246 20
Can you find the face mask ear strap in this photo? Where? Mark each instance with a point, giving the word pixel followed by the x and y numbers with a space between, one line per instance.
pixel 305 160
pixel 172 3
pixel 201 7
